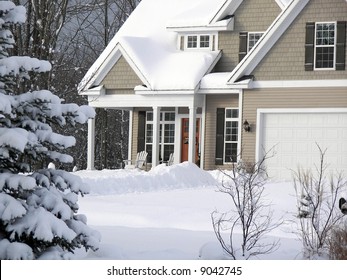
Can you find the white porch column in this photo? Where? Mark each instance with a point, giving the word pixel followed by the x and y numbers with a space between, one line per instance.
pixel 156 130
pixel 130 139
pixel 192 134
pixel 91 144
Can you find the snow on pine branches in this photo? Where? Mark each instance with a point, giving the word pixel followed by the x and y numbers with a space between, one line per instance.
pixel 38 209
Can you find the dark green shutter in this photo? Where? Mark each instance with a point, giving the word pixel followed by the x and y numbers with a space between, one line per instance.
pixel 341 46
pixel 220 136
pixel 243 45
pixel 309 46
pixel 141 137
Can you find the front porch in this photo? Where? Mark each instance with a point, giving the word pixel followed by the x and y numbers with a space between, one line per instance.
pixel 160 125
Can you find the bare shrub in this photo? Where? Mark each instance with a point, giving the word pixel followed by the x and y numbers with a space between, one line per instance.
pixel 250 215
pixel 317 196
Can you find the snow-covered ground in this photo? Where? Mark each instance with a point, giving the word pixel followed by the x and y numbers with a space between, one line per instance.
pixel 166 214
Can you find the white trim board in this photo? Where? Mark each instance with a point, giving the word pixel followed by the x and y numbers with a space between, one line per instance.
pixel 299 84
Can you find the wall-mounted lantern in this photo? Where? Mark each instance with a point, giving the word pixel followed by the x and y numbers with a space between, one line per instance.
pixel 246 126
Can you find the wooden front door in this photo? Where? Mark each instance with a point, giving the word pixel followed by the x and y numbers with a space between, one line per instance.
pixel 185 140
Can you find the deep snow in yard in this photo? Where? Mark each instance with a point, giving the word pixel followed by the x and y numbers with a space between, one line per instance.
pixel 166 214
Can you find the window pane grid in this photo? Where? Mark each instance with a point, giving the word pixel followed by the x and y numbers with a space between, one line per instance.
pixel 325 57
pixel 325 45
pixel 192 42
pixel 325 34
pixel 204 41
pixel 231 135
pixel 166 135
pixel 253 38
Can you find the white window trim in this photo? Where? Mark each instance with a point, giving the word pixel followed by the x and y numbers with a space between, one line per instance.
pixel 248 37
pixel 315 46
pixel 238 134
pixel 198 42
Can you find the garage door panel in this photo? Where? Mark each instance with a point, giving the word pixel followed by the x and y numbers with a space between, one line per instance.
pixel 294 138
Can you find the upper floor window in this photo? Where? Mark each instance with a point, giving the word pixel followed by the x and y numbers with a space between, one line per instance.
pixel 198 42
pixel 325 46
pixel 253 38
pixel 192 42
pixel 325 43
pixel 247 41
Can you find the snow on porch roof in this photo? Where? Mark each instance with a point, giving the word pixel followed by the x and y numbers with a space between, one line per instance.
pixel 151 48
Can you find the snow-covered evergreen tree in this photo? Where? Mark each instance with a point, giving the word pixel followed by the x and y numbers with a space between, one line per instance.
pixel 38 209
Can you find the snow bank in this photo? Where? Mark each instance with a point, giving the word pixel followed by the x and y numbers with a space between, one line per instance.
pixel 179 176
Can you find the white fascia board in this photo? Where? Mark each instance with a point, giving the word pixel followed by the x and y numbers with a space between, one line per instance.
pixel 106 66
pixel 266 42
pixel 229 8
pixel 218 57
pixel 225 25
pixel 133 100
pixel 219 91
pixel 300 84
pixel 280 4
pixel 143 91
pixel 99 69
pixel 95 91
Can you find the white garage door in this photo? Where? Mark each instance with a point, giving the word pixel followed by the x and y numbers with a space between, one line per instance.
pixel 293 138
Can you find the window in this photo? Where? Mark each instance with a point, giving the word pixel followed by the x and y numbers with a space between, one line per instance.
pixel 204 41
pixel 247 41
pixel 198 42
pixel 166 135
pixel 253 38
pixel 325 46
pixel 231 135
pixel 192 42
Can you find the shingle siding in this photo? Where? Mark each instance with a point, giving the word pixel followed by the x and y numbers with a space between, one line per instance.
pixel 286 60
pixel 251 16
pixel 121 78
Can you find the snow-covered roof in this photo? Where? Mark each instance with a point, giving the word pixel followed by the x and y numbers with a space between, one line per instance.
pixel 148 41
pixel 151 49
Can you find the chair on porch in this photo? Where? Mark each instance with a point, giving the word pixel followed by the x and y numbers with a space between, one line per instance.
pixel 170 160
pixel 138 163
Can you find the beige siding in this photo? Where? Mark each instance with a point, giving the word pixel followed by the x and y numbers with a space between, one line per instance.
pixel 121 78
pixel 286 60
pixel 251 16
pixel 284 98
pixel 212 103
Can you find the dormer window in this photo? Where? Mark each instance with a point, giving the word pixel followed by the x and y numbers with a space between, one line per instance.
pixel 204 41
pixel 198 42
pixel 192 42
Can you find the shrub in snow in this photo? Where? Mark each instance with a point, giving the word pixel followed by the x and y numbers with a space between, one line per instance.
pixel 318 212
pixel 250 214
pixel 38 210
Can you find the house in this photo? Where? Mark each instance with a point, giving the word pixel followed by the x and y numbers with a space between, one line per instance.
pixel 218 81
